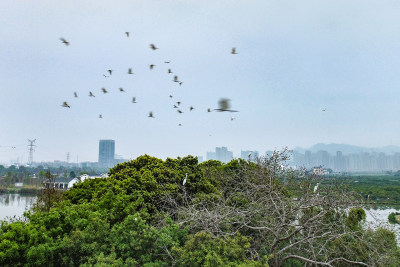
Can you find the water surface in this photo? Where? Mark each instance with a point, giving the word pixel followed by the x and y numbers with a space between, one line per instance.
pixel 15 204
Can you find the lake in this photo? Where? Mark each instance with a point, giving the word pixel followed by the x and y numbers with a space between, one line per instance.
pixel 15 204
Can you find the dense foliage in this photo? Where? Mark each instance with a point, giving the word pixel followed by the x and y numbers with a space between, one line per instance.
pixel 380 189
pixel 143 215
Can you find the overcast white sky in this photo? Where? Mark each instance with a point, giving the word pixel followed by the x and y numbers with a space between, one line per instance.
pixel 295 59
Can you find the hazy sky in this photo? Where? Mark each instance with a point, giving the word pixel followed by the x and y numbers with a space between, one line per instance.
pixel 295 58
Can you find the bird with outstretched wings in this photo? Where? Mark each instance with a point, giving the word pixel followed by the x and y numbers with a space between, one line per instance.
pixel 64 41
pixel 224 105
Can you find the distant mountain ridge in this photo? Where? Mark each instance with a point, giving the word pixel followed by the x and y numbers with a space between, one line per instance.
pixel 348 149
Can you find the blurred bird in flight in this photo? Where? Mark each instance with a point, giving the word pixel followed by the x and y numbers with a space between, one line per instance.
pixel 65 105
pixel 64 41
pixel 224 105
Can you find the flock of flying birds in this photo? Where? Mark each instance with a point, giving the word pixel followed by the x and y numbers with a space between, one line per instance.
pixel 223 103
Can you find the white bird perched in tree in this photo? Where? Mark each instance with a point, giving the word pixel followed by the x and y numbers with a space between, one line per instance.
pixel 316 187
pixel 184 180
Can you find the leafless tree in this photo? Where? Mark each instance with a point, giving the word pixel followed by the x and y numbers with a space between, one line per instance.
pixel 283 211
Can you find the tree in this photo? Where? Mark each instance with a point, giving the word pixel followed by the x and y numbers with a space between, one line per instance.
pixel 235 214
pixel 49 195
pixel 283 212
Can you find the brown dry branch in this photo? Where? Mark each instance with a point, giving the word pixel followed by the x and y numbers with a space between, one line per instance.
pixel 282 212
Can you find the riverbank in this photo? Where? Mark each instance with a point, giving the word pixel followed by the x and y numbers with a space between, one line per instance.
pixel 22 191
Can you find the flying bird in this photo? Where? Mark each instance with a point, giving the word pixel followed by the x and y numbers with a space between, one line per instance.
pixel 233 51
pixel 91 94
pixel 170 71
pixel 100 116
pixel 75 94
pixel 179 124
pixel 64 41
pixel 65 105
pixel 176 79
pixel 224 105
pixel 152 66
pixel 121 89
pixel 133 99
pixel 127 34
pixel 167 62
pixel 180 111
pixel 324 109
pixel 110 71
pixel 178 103
pixel 175 106
pixel 208 110
pixel 233 118
pixel 105 76
pixel 180 83
pixel 191 108
pixel 104 90
pixel 170 96
pixel 130 71
pixel 151 115
pixel 152 46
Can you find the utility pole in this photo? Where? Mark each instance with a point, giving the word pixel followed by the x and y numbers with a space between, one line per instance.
pixel 68 157
pixel 31 149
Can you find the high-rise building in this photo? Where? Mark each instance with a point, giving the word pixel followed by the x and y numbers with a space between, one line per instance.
pixel 211 155
pixel 339 162
pixel 223 154
pixel 106 153
pixel 245 154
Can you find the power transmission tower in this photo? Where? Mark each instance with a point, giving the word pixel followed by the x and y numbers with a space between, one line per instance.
pixel 31 149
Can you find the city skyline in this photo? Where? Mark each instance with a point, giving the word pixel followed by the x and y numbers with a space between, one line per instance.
pixel 107 155
pixel 302 73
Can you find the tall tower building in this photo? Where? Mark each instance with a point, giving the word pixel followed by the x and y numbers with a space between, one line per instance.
pixel 223 154
pixel 106 153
